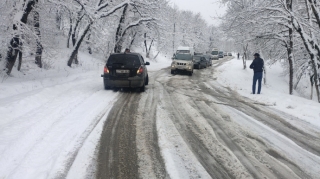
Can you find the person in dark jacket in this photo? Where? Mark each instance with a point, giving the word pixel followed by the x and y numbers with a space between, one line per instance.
pixel 257 65
pixel 127 50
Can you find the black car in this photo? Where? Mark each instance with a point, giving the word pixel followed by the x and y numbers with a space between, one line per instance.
pixel 209 59
pixel 200 62
pixel 221 54
pixel 126 70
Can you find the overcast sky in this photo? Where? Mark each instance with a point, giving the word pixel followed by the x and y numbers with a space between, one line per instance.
pixel 210 9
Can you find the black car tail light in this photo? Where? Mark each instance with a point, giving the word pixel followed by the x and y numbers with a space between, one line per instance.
pixel 106 70
pixel 140 70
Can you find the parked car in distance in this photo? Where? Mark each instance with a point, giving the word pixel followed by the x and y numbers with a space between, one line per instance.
pixel 225 53
pixel 198 53
pixel 209 59
pixel 221 54
pixel 215 54
pixel 229 54
pixel 200 62
pixel 126 70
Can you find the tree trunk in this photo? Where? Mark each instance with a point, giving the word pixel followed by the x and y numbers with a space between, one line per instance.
pixel 88 43
pixel 75 29
pixel 313 56
pixel 312 83
pixel 244 57
pixel 74 54
pixel 133 38
pixel 119 40
pixel 145 42
pixel 149 50
pixel 156 56
pixel 315 11
pixel 15 42
pixel 316 80
pixel 290 60
pixel 12 54
pixel 295 86
pixel 290 48
pixel 70 31
pixel 20 60
pixel 39 47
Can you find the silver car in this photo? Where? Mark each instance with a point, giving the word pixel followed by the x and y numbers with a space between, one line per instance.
pixel 182 63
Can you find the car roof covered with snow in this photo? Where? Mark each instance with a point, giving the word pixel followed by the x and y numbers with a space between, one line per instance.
pixel 184 48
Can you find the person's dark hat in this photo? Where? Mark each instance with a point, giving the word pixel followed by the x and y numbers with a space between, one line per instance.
pixel 256 55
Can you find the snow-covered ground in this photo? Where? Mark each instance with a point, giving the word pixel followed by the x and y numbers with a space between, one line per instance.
pixel 52 119
pixel 274 93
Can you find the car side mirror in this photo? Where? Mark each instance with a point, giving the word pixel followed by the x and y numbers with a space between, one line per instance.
pixel 147 63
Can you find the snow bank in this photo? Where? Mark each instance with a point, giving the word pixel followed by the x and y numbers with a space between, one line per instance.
pixel 274 93
pixel 51 119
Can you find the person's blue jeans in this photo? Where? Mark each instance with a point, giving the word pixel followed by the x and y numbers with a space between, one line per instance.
pixel 257 77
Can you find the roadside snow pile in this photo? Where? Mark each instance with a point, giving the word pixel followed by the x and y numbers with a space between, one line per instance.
pixel 274 94
pixel 51 120
pixel 32 78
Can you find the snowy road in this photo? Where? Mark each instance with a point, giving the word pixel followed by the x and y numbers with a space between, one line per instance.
pixel 192 127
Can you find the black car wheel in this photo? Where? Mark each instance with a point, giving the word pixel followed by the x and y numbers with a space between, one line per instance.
pixel 107 87
pixel 147 80
pixel 143 88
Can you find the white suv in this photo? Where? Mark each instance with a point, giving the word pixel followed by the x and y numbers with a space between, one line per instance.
pixel 182 62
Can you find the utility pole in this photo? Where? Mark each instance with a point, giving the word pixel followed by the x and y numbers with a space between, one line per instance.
pixel 174 34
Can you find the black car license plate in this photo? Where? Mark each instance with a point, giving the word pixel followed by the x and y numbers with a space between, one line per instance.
pixel 122 71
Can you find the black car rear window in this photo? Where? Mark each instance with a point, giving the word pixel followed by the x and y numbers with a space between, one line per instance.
pixel 124 59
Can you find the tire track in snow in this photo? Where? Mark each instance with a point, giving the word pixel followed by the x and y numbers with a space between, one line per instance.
pixel 213 155
pixel 118 153
pixel 132 121
pixel 151 164
pixel 267 169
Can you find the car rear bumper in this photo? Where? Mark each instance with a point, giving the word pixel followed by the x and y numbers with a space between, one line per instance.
pixel 132 82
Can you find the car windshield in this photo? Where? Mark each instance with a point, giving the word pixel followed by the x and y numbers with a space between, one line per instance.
pixel 183 57
pixel 221 53
pixel 124 59
pixel 214 52
pixel 183 51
